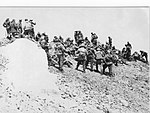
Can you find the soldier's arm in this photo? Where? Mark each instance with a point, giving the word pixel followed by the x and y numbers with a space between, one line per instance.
pixel 33 23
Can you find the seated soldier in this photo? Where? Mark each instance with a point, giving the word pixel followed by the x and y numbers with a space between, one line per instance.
pixel 81 57
pixel 144 54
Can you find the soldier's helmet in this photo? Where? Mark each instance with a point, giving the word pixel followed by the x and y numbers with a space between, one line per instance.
pixel 55 39
pixel 26 19
pixel 44 34
pixel 20 20
pixel 7 19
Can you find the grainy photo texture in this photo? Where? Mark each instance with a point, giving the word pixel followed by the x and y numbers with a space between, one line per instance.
pixel 74 60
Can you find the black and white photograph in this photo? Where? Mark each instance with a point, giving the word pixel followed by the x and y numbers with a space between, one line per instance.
pixel 74 59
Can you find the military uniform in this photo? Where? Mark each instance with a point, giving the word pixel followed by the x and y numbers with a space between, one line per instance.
pixel 82 57
pixel 78 37
pixel 128 51
pixel 29 28
pixel 94 38
pixel 6 24
pixel 13 27
pixel 19 26
pixel 99 58
pixel 110 41
pixel 144 54
pixel 107 63
pixel 90 58
pixel 59 51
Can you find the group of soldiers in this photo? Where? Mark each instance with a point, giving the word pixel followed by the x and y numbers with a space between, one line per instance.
pixel 88 53
pixel 16 29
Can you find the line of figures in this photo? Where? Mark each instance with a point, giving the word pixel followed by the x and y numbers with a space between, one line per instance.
pixel 86 52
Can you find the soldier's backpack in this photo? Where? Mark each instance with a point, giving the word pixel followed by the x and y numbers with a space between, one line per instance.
pixel 99 54
pixel 82 55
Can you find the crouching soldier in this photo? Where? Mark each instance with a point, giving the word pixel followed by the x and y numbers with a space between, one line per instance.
pixel 108 63
pixel 81 57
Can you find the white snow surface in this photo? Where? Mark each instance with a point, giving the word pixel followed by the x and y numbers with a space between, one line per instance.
pixel 27 67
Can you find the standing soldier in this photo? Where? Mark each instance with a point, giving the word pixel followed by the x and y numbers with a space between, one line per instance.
pixel 13 27
pixel 78 37
pixel 108 63
pixel 32 28
pixel 110 42
pixel 59 51
pixel 94 38
pixel 90 57
pixel 45 37
pixel 87 42
pixel 61 39
pixel 6 24
pixel 29 28
pixel 123 52
pixel 19 25
pixel 82 57
pixel 128 51
pixel 99 57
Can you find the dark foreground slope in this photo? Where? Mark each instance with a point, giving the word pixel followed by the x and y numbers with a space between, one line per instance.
pixel 90 92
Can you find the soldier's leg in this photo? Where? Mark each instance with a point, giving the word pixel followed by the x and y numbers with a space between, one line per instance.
pixel 97 62
pixel 78 63
pixel 146 57
pixel 61 62
pixel 87 62
pixel 110 69
pixel 91 64
pixel 104 67
pixel 84 65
